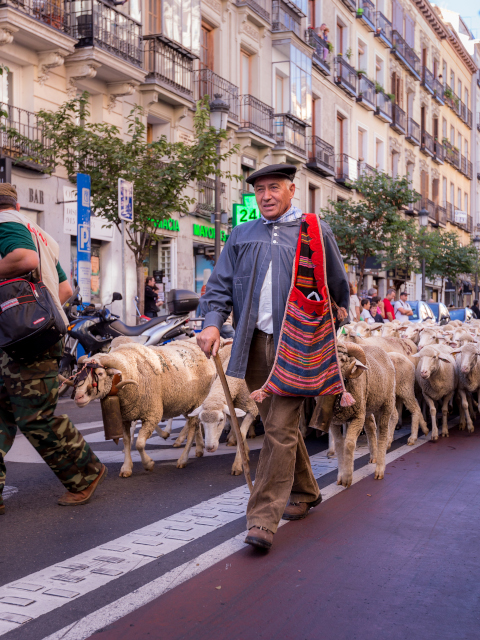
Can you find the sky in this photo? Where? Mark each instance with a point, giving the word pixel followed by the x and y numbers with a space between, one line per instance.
pixel 468 9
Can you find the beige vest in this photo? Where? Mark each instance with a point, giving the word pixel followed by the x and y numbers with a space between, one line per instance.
pixel 49 252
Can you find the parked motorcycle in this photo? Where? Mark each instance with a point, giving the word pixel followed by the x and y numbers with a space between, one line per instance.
pixel 94 328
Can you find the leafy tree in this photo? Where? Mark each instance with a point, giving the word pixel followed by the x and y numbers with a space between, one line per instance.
pixel 161 170
pixel 373 227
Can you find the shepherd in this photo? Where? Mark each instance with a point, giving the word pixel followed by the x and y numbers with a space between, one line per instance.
pixel 284 278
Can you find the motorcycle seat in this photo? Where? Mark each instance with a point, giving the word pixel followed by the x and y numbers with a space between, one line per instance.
pixel 126 330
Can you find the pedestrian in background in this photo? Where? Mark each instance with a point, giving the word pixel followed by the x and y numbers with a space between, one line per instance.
pixel 29 389
pixel 151 297
pixel 371 292
pixel 388 305
pixel 354 303
pixel 475 309
pixel 402 309
pixel 365 314
pixel 377 309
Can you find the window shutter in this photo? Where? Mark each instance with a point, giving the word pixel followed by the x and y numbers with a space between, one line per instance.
pixel 397 18
pixel 410 31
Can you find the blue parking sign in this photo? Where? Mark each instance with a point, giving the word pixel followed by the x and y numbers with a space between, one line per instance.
pixel 84 269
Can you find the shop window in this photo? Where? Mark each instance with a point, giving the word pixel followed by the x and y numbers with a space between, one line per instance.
pixel 204 263
pixel 95 261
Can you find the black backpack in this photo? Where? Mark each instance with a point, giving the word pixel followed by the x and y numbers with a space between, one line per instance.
pixel 30 322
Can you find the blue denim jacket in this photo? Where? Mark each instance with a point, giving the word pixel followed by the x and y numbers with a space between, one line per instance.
pixel 238 277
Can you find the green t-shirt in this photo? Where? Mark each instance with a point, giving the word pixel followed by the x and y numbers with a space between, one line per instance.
pixel 14 235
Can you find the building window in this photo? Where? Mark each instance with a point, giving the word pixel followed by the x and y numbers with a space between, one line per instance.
pixel 444 191
pixel 181 23
pixel 341 35
pixel 312 198
pixel 452 79
pixel 206 48
pixel 317 117
pixel 362 56
pixel 245 73
pixel 154 14
pixel 467 97
pixel 362 145
pixel 379 71
pixel 444 128
pixel 395 164
pixel 452 194
pixel 297 92
pixel 379 155
pixel 452 135
pixel 459 199
pixel 465 203
pixel 279 94
pixel 340 134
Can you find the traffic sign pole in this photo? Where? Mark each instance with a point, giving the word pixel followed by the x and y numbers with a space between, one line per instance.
pixel 124 277
pixel 84 266
pixel 125 213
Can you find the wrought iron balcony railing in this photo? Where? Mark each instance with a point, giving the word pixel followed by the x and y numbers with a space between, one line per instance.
pixel 384 107
pixel 256 115
pixel 441 215
pixel 262 7
pixel 399 120
pixel 168 63
pixel 350 4
pixel 466 167
pixel 429 205
pixel 289 133
pixel 405 55
pixel 439 152
pixel 427 144
pixel 452 154
pixel 366 14
pixel 96 23
pixel 427 80
pixel 450 212
pixel 321 54
pixel 321 156
pixel 285 19
pixel 414 207
pixel 345 76
pixel 208 83
pixel 51 12
pixel 413 132
pixel 346 169
pixel 438 91
pixel 383 29
pixel 366 93
pixel 365 170
pixel 20 134
pixel 206 196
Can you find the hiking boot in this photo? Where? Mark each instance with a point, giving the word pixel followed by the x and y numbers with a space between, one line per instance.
pixel 299 510
pixel 70 499
pixel 259 537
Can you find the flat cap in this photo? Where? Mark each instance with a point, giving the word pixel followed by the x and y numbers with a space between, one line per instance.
pixel 281 170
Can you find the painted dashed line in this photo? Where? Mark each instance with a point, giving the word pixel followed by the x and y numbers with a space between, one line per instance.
pixel 8 492
pixel 97 567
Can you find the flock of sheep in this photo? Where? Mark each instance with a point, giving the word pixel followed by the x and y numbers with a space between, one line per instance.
pixel 385 367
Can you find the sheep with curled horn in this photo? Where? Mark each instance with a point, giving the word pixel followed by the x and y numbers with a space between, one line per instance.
pixel 369 377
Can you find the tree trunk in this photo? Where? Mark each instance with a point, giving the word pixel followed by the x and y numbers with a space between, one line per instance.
pixel 140 286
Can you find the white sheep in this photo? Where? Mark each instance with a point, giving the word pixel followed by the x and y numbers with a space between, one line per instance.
pixel 213 413
pixel 468 370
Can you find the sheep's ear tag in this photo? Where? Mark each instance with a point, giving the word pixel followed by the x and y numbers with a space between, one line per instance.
pixel 344 333
pixel 115 380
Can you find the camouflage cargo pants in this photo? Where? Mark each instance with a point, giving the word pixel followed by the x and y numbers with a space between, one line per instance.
pixel 28 398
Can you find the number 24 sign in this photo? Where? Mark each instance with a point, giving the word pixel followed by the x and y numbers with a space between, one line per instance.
pixel 245 212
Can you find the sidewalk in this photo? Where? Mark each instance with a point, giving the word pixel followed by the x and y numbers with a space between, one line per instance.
pixel 394 559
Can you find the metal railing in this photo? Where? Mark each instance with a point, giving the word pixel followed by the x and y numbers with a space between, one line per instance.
pixel 96 23
pixel 450 212
pixel 413 132
pixel 452 154
pixel 431 208
pixel 384 107
pixel 289 133
pixel 321 54
pixel 366 13
pixel 350 4
pixel 415 205
pixel 439 151
pixel 399 120
pixel 366 91
pixel 346 168
pixel 20 134
pixel 166 62
pixel 441 215
pixel 365 170
pixel 208 83
pixel 345 75
pixel 383 29
pixel 466 167
pixel 438 91
pixel 51 12
pixel 262 7
pixel 427 79
pixel 427 143
pixel 284 19
pixel 448 96
pixel 206 195
pixel 469 223
pixel 405 54
pixel 256 115
pixel 321 154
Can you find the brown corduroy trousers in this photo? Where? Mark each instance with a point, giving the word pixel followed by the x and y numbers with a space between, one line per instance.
pixel 283 471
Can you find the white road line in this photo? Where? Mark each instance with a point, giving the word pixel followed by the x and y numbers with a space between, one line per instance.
pixel 51 587
pixel 8 492
pixel 88 625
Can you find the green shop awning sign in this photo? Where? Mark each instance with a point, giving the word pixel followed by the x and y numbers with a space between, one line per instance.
pixel 247 211
pixel 202 231
pixel 170 224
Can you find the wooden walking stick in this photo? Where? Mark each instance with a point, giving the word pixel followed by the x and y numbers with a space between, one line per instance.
pixel 234 421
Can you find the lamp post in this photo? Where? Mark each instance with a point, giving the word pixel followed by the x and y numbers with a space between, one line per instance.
pixel 423 217
pixel 218 120
pixel 476 244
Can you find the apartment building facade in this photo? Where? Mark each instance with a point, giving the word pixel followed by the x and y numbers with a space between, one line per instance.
pixel 337 88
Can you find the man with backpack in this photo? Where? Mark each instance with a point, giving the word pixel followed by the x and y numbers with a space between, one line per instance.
pixel 29 386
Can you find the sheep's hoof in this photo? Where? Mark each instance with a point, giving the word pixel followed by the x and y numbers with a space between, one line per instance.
pixel 434 438
pixel 163 434
pixel 379 475
pixel 330 454
pixel 181 465
pixel 232 443
pixel 471 430
pixel 177 444
pixel 411 440
pixel 236 472
pixel 125 473
pixel 445 434
pixel 199 454
pixel 373 461
pixel 461 427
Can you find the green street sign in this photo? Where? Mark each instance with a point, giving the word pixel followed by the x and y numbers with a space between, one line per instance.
pixel 247 211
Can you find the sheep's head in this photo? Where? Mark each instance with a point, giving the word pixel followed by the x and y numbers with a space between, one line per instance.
pixel 353 361
pixel 428 337
pixel 468 357
pixel 390 331
pixel 429 361
pixel 95 380
pixel 412 332
pixel 213 422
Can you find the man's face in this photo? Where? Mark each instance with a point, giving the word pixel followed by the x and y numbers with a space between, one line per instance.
pixel 391 295
pixel 274 196
pixel 403 297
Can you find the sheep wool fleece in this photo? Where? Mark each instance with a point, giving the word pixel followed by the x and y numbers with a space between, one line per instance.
pixel 28 398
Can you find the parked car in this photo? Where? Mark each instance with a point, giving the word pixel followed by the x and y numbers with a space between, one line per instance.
pixel 440 312
pixel 460 313
pixel 421 311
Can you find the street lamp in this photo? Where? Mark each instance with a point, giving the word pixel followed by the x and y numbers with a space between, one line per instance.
pixel 218 120
pixel 423 217
pixel 476 244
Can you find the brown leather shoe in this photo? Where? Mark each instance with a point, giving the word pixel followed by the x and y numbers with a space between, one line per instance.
pixel 259 537
pixel 70 499
pixel 299 510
